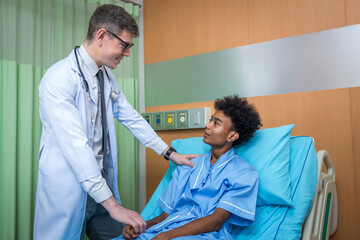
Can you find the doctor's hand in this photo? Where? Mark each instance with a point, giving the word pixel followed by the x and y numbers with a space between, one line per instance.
pixel 129 232
pixel 183 159
pixel 124 215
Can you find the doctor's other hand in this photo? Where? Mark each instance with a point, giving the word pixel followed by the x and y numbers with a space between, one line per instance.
pixel 129 232
pixel 183 159
pixel 124 215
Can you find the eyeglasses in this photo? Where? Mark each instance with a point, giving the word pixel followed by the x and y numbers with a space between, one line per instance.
pixel 126 45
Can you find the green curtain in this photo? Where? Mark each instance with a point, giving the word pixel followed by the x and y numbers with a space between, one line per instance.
pixel 34 35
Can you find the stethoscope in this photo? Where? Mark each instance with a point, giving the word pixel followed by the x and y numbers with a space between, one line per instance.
pixel 113 94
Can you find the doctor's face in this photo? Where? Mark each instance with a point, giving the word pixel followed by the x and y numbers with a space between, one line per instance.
pixel 219 130
pixel 112 48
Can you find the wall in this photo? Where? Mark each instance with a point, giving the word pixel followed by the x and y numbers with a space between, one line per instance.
pixel 314 61
pixel 176 29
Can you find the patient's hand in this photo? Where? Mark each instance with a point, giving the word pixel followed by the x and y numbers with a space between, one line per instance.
pixel 129 232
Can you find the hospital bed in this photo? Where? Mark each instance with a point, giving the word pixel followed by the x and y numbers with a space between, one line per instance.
pixel 312 212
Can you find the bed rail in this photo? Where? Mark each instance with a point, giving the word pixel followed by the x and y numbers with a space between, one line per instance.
pixel 322 220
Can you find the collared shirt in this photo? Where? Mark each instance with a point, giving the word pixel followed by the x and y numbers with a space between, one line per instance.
pixel 96 187
pixel 90 70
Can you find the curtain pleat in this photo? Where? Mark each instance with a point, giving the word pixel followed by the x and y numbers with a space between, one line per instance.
pixel 25 98
pixel 34 35
pixel 8 148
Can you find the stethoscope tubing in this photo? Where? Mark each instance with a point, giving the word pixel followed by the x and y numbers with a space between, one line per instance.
pixel 81 72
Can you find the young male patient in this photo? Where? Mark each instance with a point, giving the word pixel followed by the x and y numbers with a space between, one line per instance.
pixel 220 190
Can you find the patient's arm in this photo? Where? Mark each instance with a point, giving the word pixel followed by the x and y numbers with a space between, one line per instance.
pixel 156 220
pixel 206 224
pixel 129 232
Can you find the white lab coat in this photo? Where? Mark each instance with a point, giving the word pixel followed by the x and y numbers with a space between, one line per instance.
pixel 66 157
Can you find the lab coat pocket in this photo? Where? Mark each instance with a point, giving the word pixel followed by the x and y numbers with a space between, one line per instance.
pixel 58 173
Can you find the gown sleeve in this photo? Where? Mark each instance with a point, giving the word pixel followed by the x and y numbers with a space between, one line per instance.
pixel 240 199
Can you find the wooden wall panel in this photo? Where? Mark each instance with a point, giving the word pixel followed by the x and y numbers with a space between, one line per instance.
pixel 355 126
pixel 160 37
pixel 175 29
pixel 352 12
pixel 269 20
pixel 324 115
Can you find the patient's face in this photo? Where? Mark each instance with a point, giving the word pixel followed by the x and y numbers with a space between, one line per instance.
pixel 217 130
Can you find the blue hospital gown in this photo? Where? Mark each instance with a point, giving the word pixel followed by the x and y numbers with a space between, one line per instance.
pixel 231 183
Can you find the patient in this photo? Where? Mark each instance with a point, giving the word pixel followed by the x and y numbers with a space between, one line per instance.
pixel 220 190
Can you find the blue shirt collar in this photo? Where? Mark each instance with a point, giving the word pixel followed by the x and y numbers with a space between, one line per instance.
pixel 89 62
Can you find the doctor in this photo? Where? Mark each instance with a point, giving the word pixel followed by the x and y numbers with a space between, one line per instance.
pixel 79 96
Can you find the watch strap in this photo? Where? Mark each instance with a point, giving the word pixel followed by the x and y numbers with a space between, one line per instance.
pixel 168 153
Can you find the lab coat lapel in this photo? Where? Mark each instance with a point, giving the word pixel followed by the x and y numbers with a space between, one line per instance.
pixel 92 96
pixel 74 67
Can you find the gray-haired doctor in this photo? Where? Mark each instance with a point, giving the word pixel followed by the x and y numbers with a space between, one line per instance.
pixel 79 97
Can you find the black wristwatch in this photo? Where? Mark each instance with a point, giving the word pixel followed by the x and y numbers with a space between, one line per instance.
pixel 169 151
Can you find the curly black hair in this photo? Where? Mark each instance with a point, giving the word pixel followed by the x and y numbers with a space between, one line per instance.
pixel 244 116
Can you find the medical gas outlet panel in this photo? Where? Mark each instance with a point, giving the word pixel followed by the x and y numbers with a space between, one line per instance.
pixel 179 119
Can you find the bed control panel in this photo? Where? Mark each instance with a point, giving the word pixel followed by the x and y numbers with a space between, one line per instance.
pixel 179 119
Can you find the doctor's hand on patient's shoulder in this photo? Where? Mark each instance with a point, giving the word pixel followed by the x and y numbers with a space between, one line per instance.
pixel 124 215
pixel 129 232
pixel 183 159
